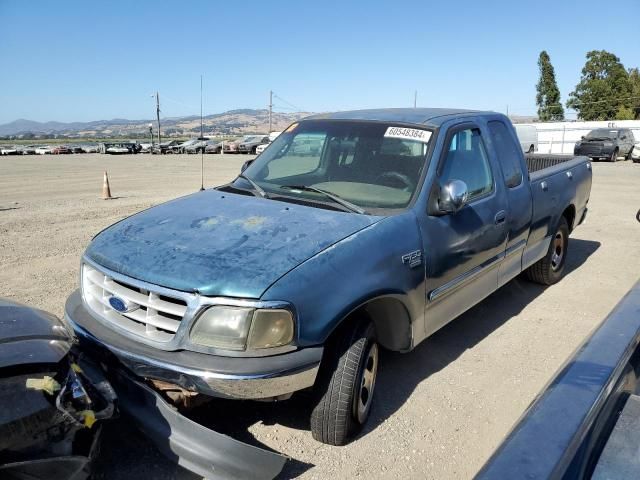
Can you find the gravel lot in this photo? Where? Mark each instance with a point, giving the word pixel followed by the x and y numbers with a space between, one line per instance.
pixel 440 410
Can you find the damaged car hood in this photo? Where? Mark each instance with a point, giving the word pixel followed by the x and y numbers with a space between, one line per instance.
pixel 218 243
pixel 30 336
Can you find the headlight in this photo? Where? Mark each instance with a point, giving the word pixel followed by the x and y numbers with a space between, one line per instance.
pixel 240 328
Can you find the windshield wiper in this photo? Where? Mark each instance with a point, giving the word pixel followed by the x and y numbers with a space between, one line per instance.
pixel 259 190
pixel 345 203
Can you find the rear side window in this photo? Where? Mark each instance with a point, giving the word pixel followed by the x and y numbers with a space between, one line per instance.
pixel 508 153
pixel 467 161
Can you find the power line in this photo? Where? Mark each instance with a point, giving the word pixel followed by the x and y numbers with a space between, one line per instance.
pixel 288 103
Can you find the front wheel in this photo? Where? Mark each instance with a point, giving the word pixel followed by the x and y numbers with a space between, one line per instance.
pixel 614 156
pixel 346 382
pixel 549 269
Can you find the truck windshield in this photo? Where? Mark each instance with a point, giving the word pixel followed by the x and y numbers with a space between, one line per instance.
pixel 369 164
pixel 602 133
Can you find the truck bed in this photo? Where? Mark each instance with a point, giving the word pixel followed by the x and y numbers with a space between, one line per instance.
pixel 537 162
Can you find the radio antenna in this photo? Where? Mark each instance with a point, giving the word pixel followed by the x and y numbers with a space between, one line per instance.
pixel 201 139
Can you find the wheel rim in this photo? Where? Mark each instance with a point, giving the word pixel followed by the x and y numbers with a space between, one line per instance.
pixel 364 396
pixel 558 251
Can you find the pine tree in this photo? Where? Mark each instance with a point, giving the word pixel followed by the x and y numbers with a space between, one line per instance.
pixel 548 94
pixel 604 88
pixel 634 78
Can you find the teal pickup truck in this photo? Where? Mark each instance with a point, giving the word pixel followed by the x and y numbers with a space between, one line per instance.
pixel 295 274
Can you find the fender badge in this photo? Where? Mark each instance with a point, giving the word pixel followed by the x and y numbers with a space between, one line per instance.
pixel 413 259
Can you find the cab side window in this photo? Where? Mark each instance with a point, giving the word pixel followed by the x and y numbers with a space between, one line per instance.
pixel 508 153
pixel 467 161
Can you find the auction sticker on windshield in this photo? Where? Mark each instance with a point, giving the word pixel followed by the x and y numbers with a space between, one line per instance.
pixel 408 134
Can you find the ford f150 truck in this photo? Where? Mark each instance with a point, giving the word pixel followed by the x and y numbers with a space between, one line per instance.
pixel 293 275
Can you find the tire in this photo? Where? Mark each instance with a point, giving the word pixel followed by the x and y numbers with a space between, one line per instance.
pixel 614 156
pixel 549 269
pixel 345 385
pixel 628 157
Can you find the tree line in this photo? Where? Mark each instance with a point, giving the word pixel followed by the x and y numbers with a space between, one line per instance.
pixel 606 91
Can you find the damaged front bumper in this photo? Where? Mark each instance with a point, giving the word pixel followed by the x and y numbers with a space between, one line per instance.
pixel 191 445
pixel 228 377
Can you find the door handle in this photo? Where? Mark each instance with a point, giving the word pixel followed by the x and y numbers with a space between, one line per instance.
pixel 500 217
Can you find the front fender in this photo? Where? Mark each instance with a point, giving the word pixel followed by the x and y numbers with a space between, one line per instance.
pixel 366 265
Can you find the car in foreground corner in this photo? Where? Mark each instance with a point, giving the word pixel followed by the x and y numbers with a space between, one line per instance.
pixel 53 398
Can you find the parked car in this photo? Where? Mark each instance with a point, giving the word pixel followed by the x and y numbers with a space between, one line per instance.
pixel 90 148
pixel 249 145
pixel 60 150
pixel 260 148
pixel 200 146
pixel 528 137
pixel 272 136
pixel 165 147
pixel 606 144
pixel 231 146
pixel 409 216
pixel 27 150
pixel 43 150
pixel 9 150
pixel 635 153
pixel 118 150
pixel 76 149
pixel 213 147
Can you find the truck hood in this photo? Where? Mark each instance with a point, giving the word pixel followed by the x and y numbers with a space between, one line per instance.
pixel 218 243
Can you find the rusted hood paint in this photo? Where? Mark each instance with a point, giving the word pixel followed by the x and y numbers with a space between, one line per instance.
pixel 219 243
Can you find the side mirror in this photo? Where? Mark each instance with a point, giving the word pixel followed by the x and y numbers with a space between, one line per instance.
pixel 245 165
pixel 453 196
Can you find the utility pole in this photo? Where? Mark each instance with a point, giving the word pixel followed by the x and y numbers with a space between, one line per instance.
pixel 415 99
pixel 158 116
pixel 270 108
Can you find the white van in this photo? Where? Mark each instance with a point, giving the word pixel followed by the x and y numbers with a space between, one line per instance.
pixel 528 137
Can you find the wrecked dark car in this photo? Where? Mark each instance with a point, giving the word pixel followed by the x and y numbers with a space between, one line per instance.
pixel 52 398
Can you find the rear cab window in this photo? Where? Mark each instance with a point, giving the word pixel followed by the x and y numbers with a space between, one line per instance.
pixel 508 153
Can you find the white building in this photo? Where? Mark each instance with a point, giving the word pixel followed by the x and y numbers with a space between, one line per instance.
pixel 560 137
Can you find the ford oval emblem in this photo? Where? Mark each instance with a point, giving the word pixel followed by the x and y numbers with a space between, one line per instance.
pixel 118 304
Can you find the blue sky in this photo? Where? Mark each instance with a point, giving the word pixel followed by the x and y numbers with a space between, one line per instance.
pixel 82 60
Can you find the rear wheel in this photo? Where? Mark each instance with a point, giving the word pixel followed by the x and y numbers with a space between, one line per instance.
pixel 345 385
pixel 549 269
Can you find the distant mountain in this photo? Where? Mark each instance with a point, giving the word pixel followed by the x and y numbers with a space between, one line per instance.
pixel 238 121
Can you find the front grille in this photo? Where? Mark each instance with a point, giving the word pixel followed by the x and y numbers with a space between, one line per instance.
pixel 152 315
pixel 586 148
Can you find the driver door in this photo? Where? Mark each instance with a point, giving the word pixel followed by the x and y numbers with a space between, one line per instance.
pixel 464 250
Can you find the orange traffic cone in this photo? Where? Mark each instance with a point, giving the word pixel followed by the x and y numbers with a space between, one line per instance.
pixel 106 191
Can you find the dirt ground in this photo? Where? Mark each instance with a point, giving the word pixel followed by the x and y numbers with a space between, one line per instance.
pixel 440 410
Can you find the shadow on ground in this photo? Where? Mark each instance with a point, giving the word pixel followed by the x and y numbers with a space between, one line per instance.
pixel 403 371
